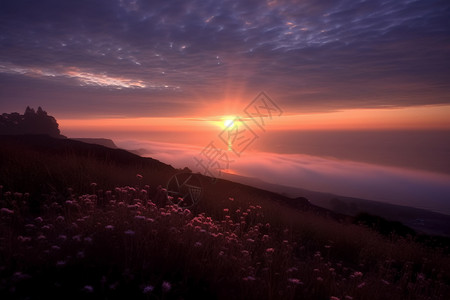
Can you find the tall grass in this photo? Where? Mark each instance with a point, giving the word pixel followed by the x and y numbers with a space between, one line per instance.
pixel 117 243
pixel 78 224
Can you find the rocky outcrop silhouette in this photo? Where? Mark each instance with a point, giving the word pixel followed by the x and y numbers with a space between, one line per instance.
pixel 31 122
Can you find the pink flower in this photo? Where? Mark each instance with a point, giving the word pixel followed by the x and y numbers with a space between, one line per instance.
pixel 7 211
pixel 358 274
pixel 166 286
pixel 294 281
pixel 129 232
pixel 270 250
pixel 60 263
pixel 249 278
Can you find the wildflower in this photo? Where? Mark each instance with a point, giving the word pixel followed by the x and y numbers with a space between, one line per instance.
pixel 41 237
pixel 55 247
pixel 88 239
pixel 420 276
pixel 21 276
pixel 295 281
pixel 249 278
pixel 7 211
pixel 23 239
pixel 139 176
pixel 47 227
pixel 148 289
pixel 319 279
pixel 166 286
pixel 358 274
pixel 129 232
pixel 197 244
pixel 39 220
pixel 60 263
pixel 334 298
pixel 109 227
pixel 231 199
pixel 80 254
pixel 270 250
pixel 62 237
pixel 226 210
pixel 60 219
pixel 385 282
pixel 361 285
pixel 88 289
pixel 221 253
pixel 349 297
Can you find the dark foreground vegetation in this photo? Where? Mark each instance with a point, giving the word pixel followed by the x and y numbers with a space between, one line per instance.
pixel 76 221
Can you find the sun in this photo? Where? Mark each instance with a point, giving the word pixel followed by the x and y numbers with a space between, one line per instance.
pixel 225 122
pixel 228 123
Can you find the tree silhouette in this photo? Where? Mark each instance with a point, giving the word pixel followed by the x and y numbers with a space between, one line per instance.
pixel 31 122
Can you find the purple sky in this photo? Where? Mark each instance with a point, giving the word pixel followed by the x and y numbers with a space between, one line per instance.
pixel 146 58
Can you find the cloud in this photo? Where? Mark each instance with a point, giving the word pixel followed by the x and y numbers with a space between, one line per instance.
pixel 311 55
pixel 83 77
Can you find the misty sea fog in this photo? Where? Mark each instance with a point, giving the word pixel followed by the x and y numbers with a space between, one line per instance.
pixel 408 168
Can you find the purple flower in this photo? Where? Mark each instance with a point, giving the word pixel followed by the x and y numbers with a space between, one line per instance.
pixel 88 289
pixel 166 286
pixel 148 289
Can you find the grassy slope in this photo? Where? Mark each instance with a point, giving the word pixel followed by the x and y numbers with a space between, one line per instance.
pixel 225 251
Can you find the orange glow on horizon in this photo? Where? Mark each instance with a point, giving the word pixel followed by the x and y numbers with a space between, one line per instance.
pixel 420 117
pixel 423 117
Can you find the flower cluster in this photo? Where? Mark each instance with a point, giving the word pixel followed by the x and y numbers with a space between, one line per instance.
pixel 126 242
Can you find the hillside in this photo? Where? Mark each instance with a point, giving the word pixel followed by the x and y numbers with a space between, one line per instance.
pixel 418 219
pixel 81 220
pixel 98 141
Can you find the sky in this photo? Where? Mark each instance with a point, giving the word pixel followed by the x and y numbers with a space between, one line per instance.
pixel 91 59
pixel 167 76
